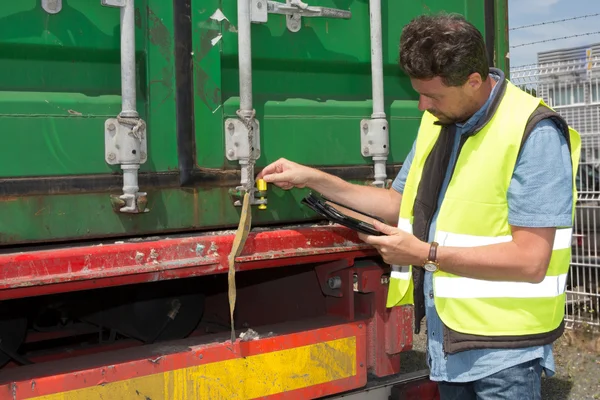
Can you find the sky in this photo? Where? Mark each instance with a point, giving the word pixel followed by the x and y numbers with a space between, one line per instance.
pixel 526 12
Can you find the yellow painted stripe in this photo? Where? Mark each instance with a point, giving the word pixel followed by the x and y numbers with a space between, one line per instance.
pixel 242 378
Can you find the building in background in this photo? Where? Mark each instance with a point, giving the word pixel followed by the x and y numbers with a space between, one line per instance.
pixel 569 81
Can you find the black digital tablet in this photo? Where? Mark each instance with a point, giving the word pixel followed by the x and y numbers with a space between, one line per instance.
pixel 341 214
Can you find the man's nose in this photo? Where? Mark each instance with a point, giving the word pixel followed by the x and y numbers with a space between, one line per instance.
pixel 424 103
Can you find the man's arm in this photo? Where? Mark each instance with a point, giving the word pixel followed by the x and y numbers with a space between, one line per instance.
pixel 370 201
pixel 524 259
pixel 539 200
pixel 383 203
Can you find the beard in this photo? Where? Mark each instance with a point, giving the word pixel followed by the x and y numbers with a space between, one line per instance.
pixel 447 119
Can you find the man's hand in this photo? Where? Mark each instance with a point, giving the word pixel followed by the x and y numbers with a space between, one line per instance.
pixel 287 174
pixel 397 247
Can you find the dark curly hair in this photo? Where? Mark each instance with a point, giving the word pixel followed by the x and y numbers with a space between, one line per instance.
pixel 444 45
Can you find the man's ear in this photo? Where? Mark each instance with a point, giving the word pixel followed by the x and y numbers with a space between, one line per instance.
pixel 474 81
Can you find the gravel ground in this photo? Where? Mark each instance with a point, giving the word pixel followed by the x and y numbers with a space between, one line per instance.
pixel 577 356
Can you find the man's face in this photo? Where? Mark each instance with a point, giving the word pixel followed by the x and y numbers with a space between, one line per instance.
pixel 449 104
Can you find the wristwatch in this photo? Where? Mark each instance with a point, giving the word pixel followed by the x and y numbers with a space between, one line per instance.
pixel 431 264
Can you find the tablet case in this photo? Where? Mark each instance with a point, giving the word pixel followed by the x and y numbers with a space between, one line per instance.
pixel 334 213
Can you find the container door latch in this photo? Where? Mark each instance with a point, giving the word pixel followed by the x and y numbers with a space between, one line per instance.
pixel 294 10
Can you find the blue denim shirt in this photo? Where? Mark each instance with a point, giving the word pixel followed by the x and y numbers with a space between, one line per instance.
pixel 539 195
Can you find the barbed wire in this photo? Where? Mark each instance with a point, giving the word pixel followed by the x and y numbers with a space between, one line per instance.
pixel 554 22
pixel 555 39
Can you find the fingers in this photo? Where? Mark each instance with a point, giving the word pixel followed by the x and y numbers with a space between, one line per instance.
pixel 384 228
pixel 272 168
pixel 373 240
pixel 285 176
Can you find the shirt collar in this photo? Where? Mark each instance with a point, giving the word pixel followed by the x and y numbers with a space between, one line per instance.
pixel 496 75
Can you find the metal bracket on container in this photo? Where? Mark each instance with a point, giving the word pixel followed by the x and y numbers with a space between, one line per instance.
pixel 113 3
pixel 52 6
pixel 374 140
pixel 294 10
pixel 125 144
pixel 238 144
pixel 242 143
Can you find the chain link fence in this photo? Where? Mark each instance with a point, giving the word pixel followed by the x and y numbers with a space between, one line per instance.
pixel 571 88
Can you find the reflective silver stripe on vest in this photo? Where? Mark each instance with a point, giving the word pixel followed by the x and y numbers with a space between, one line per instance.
pixel 405 225
pixel 468 288
pixel 562 239
pixel 400 272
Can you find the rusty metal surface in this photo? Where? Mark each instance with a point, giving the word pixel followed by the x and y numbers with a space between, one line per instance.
pixel 389 329
pixel 53 270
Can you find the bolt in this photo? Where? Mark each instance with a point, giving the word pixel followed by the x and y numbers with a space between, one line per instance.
pixel 112 156
pixel 365 127
pixel 201 356
pixel 111 127
pixel 259 5
pixel 230 126
pixel 362 365
pixel 359 326
pixel 230 153
pixel 366 150
pixel 335 282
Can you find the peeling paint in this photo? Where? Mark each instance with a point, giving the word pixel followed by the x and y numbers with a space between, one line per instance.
pixel 218 15
pixel 216 39
pixel 156 360
pixel 250 334
pixel 139 257
pixel 153 256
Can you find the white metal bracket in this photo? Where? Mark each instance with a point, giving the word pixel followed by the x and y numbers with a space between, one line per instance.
pixel 125 143
pixel 293 10
pixel 240 143
pixel 374 138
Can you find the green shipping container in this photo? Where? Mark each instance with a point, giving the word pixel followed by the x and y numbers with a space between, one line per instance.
pixel 61 80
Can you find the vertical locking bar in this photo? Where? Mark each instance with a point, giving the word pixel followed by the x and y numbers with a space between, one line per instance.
pixel 242 140
pixel 375 132
pixel 125 136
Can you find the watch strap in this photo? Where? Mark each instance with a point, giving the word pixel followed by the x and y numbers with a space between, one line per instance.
pixel 433 252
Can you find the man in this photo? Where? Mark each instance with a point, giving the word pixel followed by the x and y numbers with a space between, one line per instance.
pixel 485 200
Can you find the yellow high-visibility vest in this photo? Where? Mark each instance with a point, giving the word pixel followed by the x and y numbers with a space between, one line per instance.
pixel 474 212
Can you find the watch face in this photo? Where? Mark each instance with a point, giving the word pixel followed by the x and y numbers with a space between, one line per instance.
pixel 431 267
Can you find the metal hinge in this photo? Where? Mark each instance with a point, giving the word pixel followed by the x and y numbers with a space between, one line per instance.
pixel 294 10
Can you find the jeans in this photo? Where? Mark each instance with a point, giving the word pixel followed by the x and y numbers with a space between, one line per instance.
pixel 521 382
